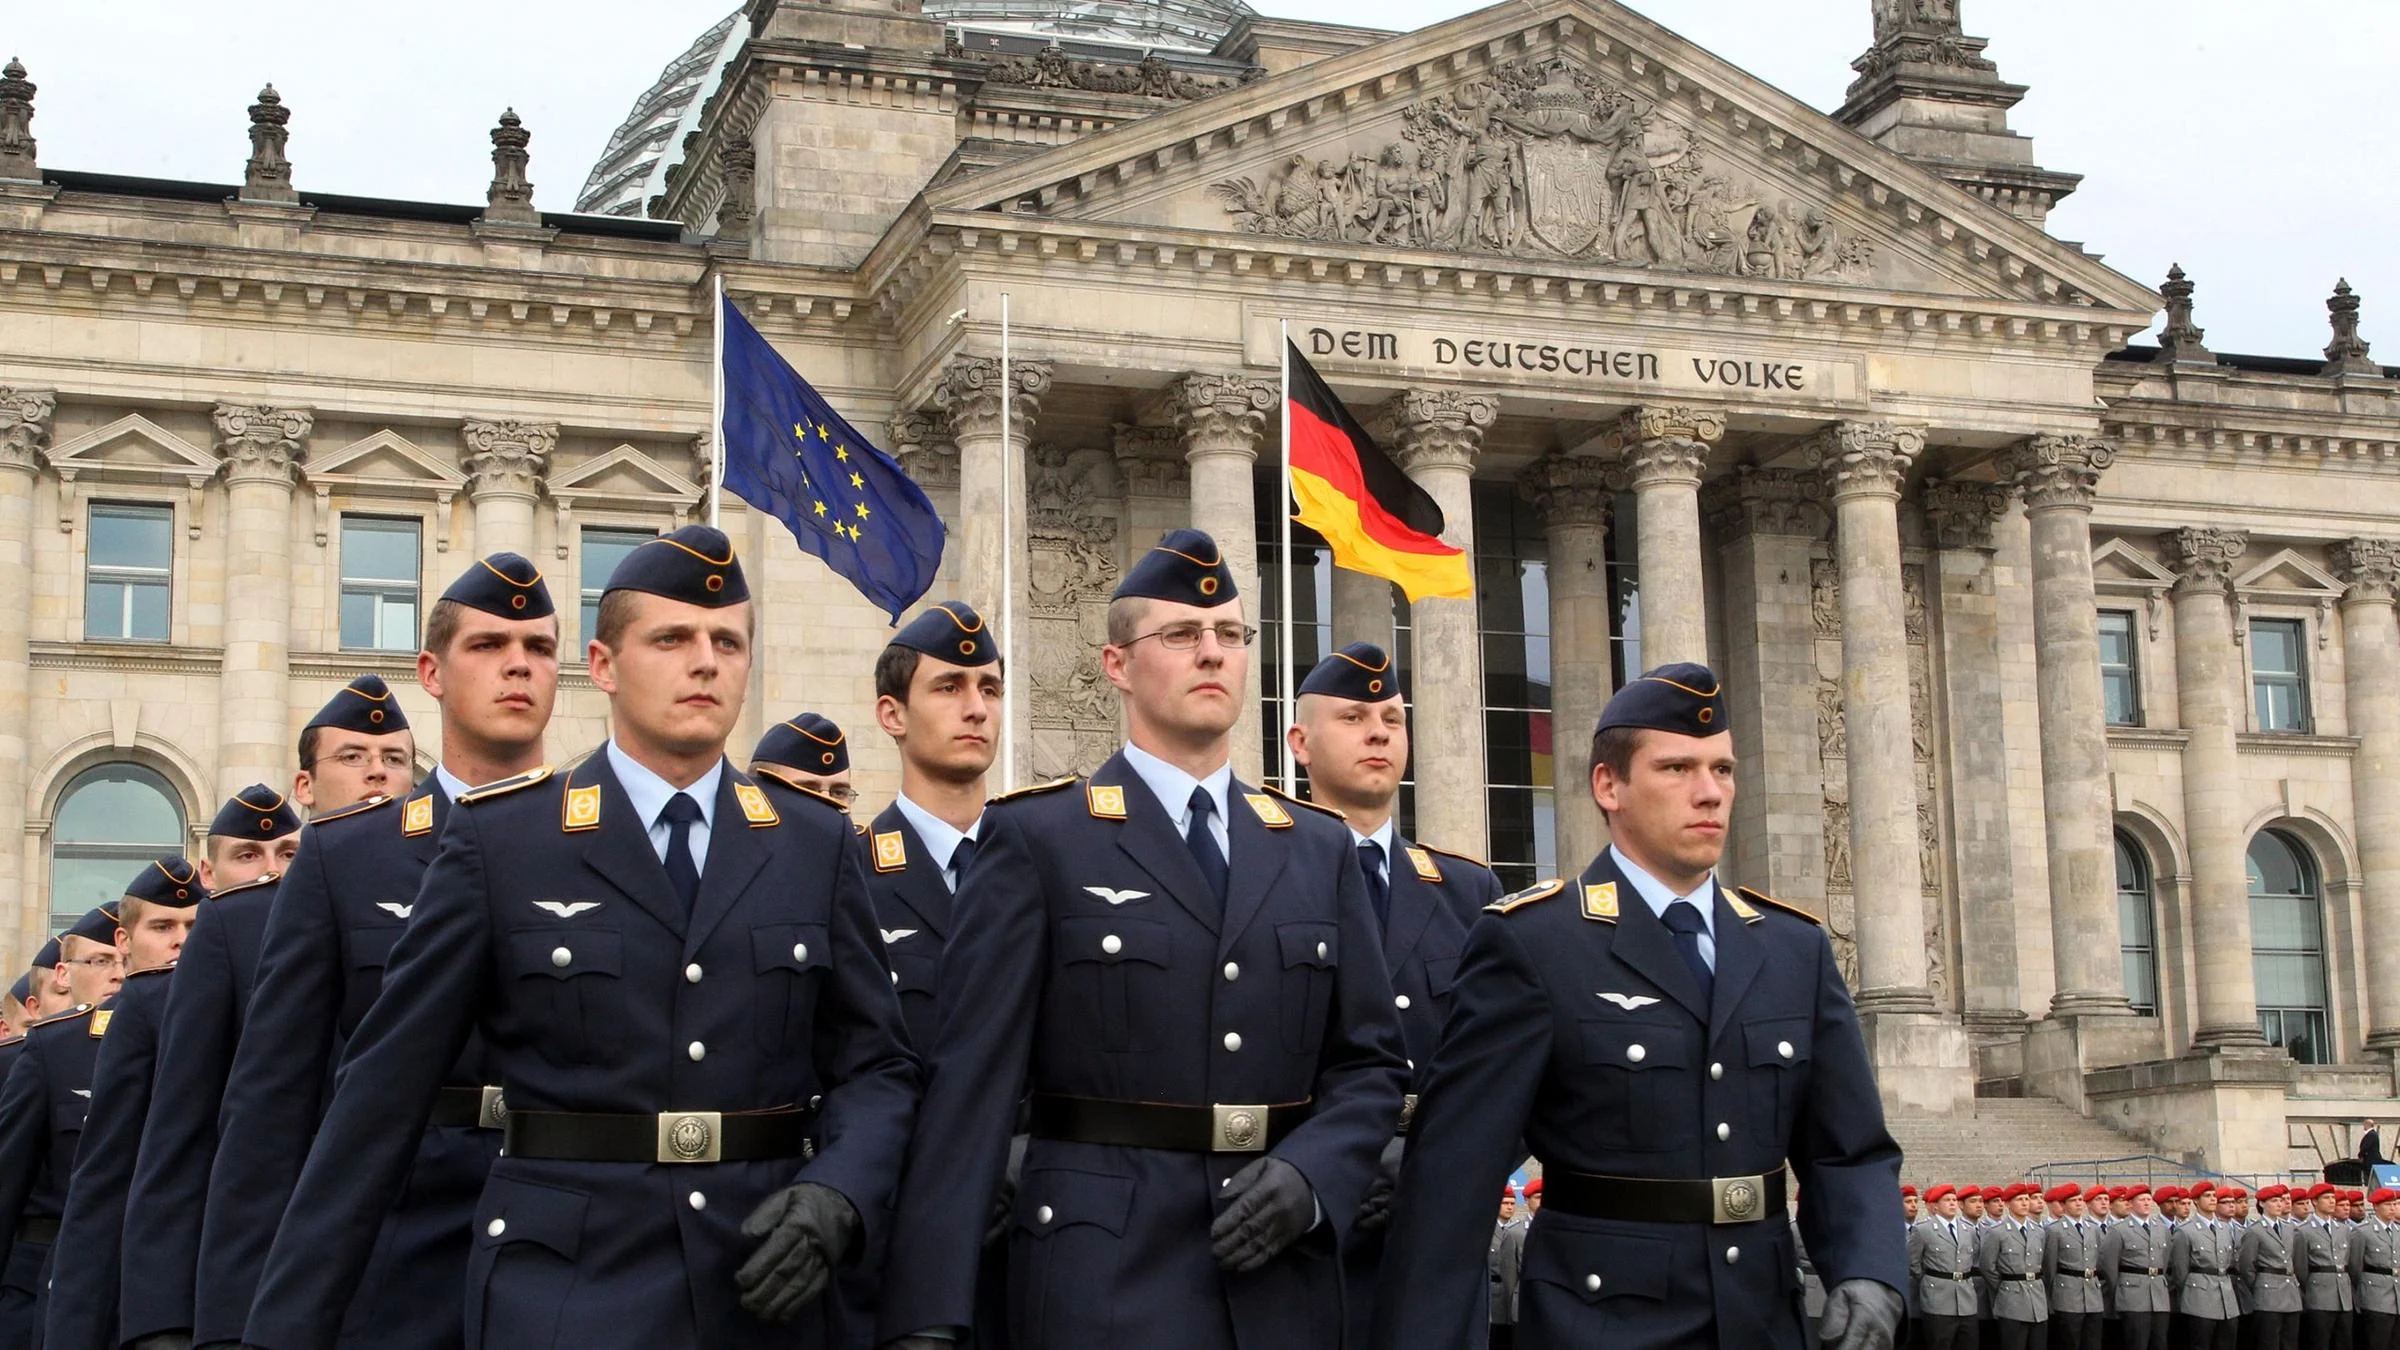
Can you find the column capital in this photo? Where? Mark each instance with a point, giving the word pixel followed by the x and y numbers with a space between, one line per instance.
pixel 2202 559
pixel 1221 414
pixel 737 210
pixel 968 394
pixel 1665 443
pixel 1436 428
pixel 1962 514
pixel 1864 459
pixel 1151 461
pixel 506 458
pixel 1571 490
pixel 2057 471
pixel 922 445
pixel 2369 570
pixel 261 444
pixel 25 426
pixel 1756 501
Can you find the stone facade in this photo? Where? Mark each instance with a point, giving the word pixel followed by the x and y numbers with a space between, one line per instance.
pixel 1870 440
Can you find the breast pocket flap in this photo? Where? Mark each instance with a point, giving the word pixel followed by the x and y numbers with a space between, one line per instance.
pixel 1052 1198
pixel 1309 944
pixel 1113 940
pixel 1638 1046
pixel 1776 1041
pixel 565 953
pixel 798 947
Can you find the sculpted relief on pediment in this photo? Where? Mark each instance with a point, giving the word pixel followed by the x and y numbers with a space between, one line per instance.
pixel 1543 158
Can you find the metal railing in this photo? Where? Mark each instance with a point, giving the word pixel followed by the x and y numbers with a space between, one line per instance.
pixel 2151 1169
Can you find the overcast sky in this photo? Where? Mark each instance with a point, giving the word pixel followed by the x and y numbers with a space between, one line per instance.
pixel 2243 139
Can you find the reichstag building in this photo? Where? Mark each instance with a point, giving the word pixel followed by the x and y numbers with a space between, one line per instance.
pixel 2067 669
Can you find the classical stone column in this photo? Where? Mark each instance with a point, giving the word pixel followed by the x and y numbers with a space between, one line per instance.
pixel 2059 476
pixel 1665 451
pixel 505 462
pixel 2208 682
pixel 1573 493
pixel 1863 464
pixel 1436 434
pixel 991 496
pixel 1222 418
pixel 262 449
pixel 2370 571
pixel 25 416
pixel 1363 609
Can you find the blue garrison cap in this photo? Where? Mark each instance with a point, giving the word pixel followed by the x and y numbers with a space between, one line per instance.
pixel 951 631
pixel 1186 567
pixel 1361 672
pixel 50 955
pixel 365 705
pixel 1686 698
pixel 256 812
pixel 694 565
pixel 505 584
pixel 173 882
pixel 100 925
pixel 810 743
pixel 23 988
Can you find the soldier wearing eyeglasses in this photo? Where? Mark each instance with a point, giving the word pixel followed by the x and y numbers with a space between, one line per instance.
pixel 810 752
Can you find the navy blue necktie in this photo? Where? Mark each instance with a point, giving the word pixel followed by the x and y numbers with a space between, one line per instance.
pixel 1684 922
pixel 1202 841
pixel 959 858
pixel 683 873
pixel 1379 887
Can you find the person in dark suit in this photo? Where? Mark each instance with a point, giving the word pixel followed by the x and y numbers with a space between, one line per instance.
pixel 808 751
pixel 1185 973
pixel 1351 734
pixel 1668 1048
pixel 2370 1145
pixel 675 972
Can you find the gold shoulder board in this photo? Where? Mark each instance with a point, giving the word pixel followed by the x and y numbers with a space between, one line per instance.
pixel 1543 891
pixel 1454 853
pixel 505 786
pixel 357 808
pixel 1033 789
pixel 251 885
pixel 1761 898
pixel 1334 812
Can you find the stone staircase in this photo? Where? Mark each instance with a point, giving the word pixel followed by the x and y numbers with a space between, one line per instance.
pixel 2005 1139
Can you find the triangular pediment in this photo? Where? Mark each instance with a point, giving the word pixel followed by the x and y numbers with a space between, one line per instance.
pixel 133 444
pixel 2119 564
pixel 1557 135
pixel 2286 572
pixel 385 459
pixel 623 474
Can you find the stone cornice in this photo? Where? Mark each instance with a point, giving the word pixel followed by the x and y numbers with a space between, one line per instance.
pixel 2198 432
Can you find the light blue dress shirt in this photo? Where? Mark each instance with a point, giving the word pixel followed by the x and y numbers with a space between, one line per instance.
pixel 1655 894
pixel 453 786
pixel 650 793
pixel 1382 839
pixel 939 836
pixel 1173 788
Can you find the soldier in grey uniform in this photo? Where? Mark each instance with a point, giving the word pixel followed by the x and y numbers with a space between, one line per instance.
pixel 2264 1265
pixel 2200 1269
pixel 2133 1265
pixel 2327 1299
pixel 1508 1265
pixel 1941 1268
pixel 2071 1269
pixel 2011 1262
pixel 2375 1267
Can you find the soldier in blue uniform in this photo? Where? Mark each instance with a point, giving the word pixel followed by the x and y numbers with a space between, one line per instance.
pixel 677 981
pixel 252 833
pixel 491 660
pixel 810 752
pixel 1668 1048
pixel 21 1275
pixel 1351 734
pixel 1185 973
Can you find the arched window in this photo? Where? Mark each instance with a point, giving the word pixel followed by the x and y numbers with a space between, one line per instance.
pixel 2137 931
pixel 2287 946
pixel 111 820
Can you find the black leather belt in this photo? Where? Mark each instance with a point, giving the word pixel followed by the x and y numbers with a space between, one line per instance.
pixel 2152 1271
pixel 668 1137
pixel 2034 1278
pixel 37 1228
pixel 2078 1274
pixel 2327 1270
pixel 1185 1129
pixel 1949 1275
pixel 466 1108
pixel 2378 1270
pixel 1659 1200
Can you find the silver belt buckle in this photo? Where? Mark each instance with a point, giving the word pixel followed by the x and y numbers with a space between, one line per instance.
pixel 1237 1129
pixel 691 1136
pixel 1739 1199
pixel 493 1115
pixel 1408 1111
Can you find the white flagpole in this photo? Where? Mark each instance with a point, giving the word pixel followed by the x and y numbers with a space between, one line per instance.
pixel 1285 680
pixel 1008 568
pixel 716 431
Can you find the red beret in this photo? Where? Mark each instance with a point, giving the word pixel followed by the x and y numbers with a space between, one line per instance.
pixel 2383 1195
pixel 2138 1188
pixel 2229 1191
pixel 1534 1187
pixel 2168 1193
pixel 2062 1192
pixel 1941 1192
pixel 2023 1188
pixel 2354 1196
pixel 2205 1187
pixel 1991 1193
pixel 1908 1190
pixel 2275 1192
pixel 2321 1188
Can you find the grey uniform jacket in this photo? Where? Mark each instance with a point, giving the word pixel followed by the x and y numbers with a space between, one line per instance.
pixel 2011 1260
pixel 2374 1259
pixel 2129 1251
pixel 1939 1264
pixel 2264 1264
pixel 2071 1266
pixel 2326 1250
pixel 2199 1268
pixel 1508 1262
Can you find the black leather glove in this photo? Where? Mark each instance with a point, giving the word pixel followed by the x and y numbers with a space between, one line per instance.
pixel 167 1340
pixel 1375 1209
pixel 1860 1315
pixel 807 1230
pixel 1268 1206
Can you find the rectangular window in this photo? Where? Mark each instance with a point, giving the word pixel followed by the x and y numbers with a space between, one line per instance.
pixel 379 584
pixel 2120 675
pixel 602 551
pixel 127 576
pixel 2279 674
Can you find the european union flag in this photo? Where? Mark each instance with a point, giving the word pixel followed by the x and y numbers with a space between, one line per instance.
pixel 788 453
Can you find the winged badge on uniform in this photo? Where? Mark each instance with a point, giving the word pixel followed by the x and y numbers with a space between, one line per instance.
pixel 1117 897
pixel 395 908
pixel 892 935
pixel 566 909
pixel 1629 1002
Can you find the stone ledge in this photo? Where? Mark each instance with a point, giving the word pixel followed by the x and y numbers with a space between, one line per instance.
pixel 2147 738
pixel 2248 1067
pixel 2286 743
pixel 147 658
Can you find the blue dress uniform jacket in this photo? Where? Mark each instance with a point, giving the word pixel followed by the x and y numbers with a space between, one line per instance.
pixel 42 1109
pixel 213 980
pixel 1649 1083
pixel 1090 959
pixel 322 950
pixel 21 1273
pixel 913 908
pixel 548 921
pixel 84 1270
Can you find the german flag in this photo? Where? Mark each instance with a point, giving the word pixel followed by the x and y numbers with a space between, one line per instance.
pixel 1375 520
